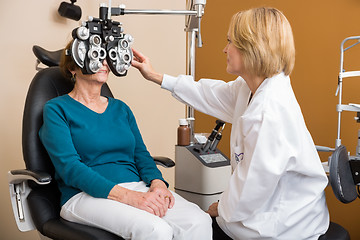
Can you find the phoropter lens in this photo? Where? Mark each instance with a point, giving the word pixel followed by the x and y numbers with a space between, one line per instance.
pixel 102 53
pixel 112 54
pixel 97 40
pixel 124 44
pixel 94 54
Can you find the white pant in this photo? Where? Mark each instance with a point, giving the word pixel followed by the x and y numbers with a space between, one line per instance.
pixel 184 221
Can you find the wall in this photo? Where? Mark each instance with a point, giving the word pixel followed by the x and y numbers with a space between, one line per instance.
pixel 319 27
pixel 25 23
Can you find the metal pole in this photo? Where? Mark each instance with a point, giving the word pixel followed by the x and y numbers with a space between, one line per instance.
pixel 191 71
pixel 161 11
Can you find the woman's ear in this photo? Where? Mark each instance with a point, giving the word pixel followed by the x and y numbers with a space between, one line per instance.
pixel 73 74
pixel 71 71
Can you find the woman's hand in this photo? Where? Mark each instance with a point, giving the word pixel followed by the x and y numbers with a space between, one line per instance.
pixel 142 63
pixel 213 210
pixel 153 201
pixel 157 186
pixel 148 201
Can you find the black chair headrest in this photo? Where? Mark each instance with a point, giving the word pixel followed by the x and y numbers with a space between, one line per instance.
pixel 49 58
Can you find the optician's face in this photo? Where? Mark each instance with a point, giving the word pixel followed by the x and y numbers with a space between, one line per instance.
pixel 235 63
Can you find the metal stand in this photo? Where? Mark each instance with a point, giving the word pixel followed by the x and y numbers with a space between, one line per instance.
pixel 353 160
pixel 345 74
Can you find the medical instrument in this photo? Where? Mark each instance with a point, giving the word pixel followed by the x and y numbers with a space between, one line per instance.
pixel 212 135
pixel 354 160
pixel 202 171
pixel 101 38
pixel 217 139
pixel 345 74
pixel 344 169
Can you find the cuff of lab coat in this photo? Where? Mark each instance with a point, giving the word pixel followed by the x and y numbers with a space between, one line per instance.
pixel 168 82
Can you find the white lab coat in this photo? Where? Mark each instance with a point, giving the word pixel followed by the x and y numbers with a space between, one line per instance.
pixel 276 190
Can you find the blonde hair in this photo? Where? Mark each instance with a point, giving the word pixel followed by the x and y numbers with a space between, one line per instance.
pixel 265 38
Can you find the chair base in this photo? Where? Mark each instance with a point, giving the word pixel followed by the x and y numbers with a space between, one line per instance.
pixel 335 232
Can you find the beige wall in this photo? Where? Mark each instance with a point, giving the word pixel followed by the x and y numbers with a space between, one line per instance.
pixel 25 23
pixel 319 27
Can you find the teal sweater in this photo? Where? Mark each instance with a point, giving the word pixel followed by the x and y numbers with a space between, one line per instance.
pixel 93 152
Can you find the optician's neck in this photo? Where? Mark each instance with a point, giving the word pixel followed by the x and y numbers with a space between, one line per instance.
pixel 253 82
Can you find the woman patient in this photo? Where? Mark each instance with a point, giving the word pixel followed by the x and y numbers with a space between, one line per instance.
pixel 105 174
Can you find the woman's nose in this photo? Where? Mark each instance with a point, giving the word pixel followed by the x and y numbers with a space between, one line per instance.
pixel 225 49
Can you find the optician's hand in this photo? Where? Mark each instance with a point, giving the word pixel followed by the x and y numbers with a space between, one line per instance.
pixel 142 63
pixel 213 210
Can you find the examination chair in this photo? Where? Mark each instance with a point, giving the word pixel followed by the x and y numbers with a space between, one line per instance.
pixel 34 194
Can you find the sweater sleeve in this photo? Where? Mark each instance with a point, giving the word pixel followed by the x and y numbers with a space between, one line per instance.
pixel 143 160
pixel 56 137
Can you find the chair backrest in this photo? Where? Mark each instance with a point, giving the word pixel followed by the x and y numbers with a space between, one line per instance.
pixel 44 201
pixel 341 179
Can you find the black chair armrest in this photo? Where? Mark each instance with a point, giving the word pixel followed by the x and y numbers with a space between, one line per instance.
pixel 164 161
pixel 18 176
